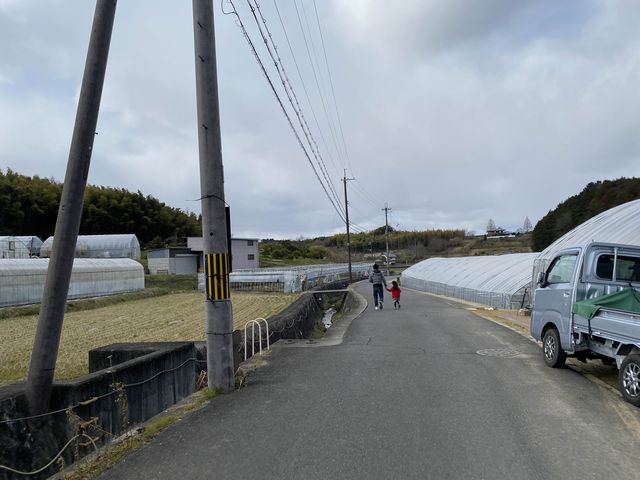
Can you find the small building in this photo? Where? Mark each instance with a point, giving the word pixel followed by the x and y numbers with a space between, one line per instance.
pixel 13 247
pixel 244 251
pixel 173 261
pixel 100 246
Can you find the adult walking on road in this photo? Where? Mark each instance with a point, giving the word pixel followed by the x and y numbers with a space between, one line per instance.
pixel 377 278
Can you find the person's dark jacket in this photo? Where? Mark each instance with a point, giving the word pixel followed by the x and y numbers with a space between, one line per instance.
pixel 377 278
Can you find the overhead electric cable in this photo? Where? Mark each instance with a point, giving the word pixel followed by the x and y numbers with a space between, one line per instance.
pixel 284 110
pixel 306 92
pixel 333 92
pixel 315 76
pixel 272 49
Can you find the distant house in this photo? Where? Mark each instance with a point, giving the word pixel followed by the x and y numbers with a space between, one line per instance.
pixel 100 246
pixel 244 251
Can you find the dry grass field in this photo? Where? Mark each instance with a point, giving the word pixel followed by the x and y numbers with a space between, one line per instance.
pixel 171 317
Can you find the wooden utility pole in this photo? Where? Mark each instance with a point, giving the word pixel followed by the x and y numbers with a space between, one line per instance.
pixel 346 211
pixel 56 287
pixel 218 312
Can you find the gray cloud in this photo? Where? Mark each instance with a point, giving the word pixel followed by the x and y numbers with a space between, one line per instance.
pixel 453 112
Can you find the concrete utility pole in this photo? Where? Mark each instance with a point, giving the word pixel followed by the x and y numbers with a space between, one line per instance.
pixel 386 228
pixel 217 307
pixel 346 211
pixel 56 287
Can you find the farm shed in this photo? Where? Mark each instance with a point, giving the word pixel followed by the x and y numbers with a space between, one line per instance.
pixel 13 247
pixel 501 281
pixel 101 246
pixel 22 280
pixel 172 261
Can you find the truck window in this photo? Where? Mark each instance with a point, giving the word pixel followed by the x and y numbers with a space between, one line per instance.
pixel 561 269
pixel 627 268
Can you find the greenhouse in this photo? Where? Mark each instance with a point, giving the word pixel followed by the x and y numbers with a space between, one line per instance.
pixel 101 246
pixel 619 224
pixel 13 247
pixel 501 281
pixel 22 280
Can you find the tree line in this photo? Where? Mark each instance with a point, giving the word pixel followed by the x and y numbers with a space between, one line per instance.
pixel 29 206
pixel 595 198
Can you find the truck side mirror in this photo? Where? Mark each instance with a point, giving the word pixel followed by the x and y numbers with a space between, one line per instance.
pixel 542 279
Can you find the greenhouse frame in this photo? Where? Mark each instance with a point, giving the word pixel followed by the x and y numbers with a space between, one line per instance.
pixel 291 279
pixel 501 281
pixel 507 281
pixel 14 247
pixel 100 246
pixel 22 280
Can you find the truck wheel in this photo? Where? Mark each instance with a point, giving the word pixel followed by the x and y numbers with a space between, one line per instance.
pixel 554 355
pixel 629 379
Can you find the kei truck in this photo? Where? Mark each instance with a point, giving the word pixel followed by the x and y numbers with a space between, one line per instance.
pixel 587 305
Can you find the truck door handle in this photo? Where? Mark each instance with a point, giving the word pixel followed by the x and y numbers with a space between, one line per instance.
pixel 566 294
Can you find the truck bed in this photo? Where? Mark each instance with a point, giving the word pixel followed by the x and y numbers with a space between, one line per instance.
pixel 609 324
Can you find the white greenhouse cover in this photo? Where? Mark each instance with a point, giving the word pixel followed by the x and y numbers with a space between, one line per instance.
pixel 498 280
pixel 101 246
pixel 22 280
pixel 619 224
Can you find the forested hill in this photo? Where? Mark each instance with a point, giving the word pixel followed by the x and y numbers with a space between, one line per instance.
pixel 29 206
pixel 594 199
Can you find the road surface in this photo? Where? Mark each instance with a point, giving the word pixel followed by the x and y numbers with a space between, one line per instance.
pixel 429 391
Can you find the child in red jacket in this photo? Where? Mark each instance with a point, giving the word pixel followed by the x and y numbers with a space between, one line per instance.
pixel 395 294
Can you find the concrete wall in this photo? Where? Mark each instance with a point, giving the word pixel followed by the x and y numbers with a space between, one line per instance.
pixel 157 376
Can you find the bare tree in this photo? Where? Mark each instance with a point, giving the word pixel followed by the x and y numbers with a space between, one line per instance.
pixel 527 227
pixel 491 225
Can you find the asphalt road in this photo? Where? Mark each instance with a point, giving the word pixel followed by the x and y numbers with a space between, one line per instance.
pixel 406 395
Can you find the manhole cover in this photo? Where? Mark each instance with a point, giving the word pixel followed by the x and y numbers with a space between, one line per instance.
pixel 498 352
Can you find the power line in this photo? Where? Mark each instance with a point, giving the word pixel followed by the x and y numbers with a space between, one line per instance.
pixel 284 110
pixel 315 76
pixel 290 92
pixel 333 93
pixel 304 88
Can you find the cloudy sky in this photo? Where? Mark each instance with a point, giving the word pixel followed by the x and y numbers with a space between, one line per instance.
pixel 451 111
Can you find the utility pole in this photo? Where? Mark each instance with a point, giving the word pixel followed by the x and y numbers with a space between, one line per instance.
pixel 56 287
pixel 386 229
pixel 346 211
pixel 217 307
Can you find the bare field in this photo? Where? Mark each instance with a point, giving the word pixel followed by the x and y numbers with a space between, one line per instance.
pixel 171 317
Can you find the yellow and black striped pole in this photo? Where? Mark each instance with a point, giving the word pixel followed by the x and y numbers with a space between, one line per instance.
pixel 216 270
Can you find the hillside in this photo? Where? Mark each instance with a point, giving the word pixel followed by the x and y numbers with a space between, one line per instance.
pixel 409 247
pixel 595 198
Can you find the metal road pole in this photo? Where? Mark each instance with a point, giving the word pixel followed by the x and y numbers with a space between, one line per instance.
pixel 346 210
pixel 217 308
pixel 56 287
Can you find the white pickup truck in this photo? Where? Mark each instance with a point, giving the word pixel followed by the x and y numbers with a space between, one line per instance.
pixel 587 305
